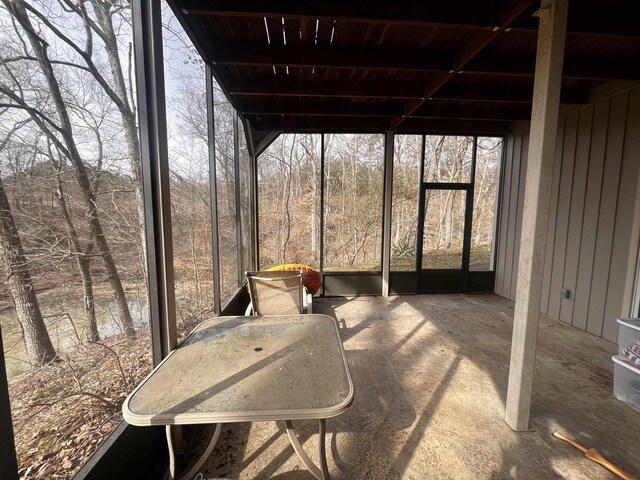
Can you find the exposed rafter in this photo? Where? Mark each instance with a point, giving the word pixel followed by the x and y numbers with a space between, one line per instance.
pixel 461 14
pixel 377 124
pixel 378 65
pixel 318 88
pixel 474 45
pixel 325 108
pixel 377 59
pixel 233 53
pixel 590 68
pixel 452 112
pixel 293 87
pixel 510 94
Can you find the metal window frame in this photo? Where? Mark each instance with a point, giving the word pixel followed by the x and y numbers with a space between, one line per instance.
pixel 498 208
pixel 355 272
pixel 236 174
pixel 387 199
pixel 468 220
pixel 253 199
pixel 468 187
pixel 213 190
pixel 150 92
pixel 8 456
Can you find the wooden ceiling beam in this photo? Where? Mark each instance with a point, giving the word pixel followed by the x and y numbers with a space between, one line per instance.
pixel 583 19
pixel 469 112
pixel 506 93
pixel 294 87
pixel 318 124
pixel 324 108
pixel 609 68
pixel 466 14
pixel 373 124
pixel 317 88
pixel 233 53
pixel 477 42
pixel 459 127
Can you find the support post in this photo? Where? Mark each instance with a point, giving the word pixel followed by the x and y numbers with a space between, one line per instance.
pixel 213 190
pixel 322 184
pixel 386 209
pixel 253 199
pixel 236 174
pixel 147 40
pixel 8 459
pixel 544 122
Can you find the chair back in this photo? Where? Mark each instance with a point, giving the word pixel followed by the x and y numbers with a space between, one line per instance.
pixel 275 293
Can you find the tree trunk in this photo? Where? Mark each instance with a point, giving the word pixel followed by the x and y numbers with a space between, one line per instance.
pixel 84 266
pixel 104 14
pixel 36 338
pixel 17 8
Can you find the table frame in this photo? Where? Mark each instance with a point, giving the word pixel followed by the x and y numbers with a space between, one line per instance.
pixel 321 414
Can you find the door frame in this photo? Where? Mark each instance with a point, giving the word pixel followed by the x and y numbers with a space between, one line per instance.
pixel 466 241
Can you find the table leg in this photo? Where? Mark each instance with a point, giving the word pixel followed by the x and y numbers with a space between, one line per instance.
pixel 323 452
pixel 295 443
pixel 203 458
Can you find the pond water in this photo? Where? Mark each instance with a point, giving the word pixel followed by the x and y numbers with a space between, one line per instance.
pixel 66 328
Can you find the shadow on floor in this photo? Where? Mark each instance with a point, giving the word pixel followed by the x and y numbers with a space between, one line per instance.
pixel 430 375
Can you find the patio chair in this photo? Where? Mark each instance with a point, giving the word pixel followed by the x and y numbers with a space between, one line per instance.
pixel 277 293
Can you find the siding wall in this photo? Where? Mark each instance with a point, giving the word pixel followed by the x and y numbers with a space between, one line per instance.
pixel 592 238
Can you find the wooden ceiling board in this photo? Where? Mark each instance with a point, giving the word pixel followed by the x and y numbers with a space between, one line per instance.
pixel 330 60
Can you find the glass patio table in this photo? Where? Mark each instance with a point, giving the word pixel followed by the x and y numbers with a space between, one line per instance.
pixel 246 369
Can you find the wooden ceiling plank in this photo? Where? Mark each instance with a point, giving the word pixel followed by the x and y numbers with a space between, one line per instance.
pixel 452 112
pixel 574 67
pixel 379 124
pixel 385 89
pixel 325 108
pixel 278 55
pixel 316 88
pixel 459 14
pixel 327 57
pixel 506 93
pixel 473 47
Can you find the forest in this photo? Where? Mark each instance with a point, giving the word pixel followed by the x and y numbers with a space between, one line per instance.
pixel 73 306
pixel 290 201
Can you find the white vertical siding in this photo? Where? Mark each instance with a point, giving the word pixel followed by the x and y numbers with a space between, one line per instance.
pixel 590 239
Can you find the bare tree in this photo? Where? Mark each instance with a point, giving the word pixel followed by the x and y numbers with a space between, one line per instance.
pixel 81 255
pixel 61 135
pixel 36 338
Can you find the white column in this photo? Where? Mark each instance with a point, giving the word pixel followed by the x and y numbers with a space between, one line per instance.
pixel 542 137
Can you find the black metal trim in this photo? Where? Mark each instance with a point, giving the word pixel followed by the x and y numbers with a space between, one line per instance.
pixel 322 188
pixel 332 273
pixel 236 173
pixel 253 198
pixel 213 190
pixel 147 29
pixel 468 219
pixel 498 213
pixel 447 186
pixel 8 458
pixel 266 142
pixel 420 226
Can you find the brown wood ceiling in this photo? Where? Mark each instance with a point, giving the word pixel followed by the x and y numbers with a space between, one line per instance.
pixel 434 66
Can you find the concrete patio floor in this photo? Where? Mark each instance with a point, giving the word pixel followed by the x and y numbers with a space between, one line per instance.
pixel 430 375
